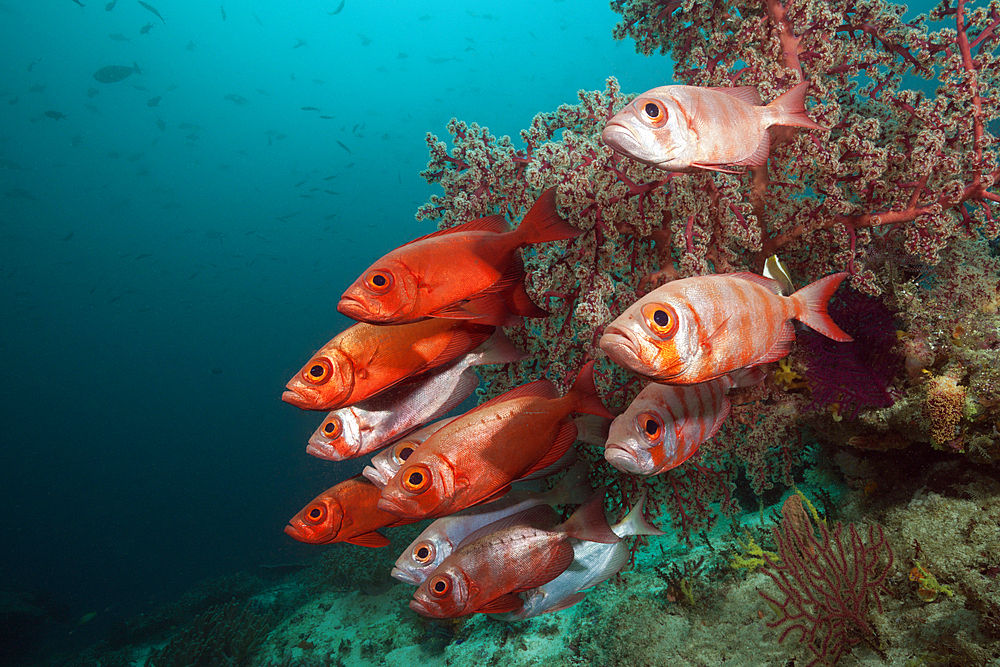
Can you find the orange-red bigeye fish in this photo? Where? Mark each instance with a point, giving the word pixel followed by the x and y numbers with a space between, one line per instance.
pixel 472 271
pixel 696 329
pixel 686 128
pixel 365 359
pixel 665 424
pixel 475 457
pixel 346 512
pixel 504 558
pixel 365 427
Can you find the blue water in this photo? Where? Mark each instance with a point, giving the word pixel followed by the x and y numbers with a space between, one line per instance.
pixel 153 304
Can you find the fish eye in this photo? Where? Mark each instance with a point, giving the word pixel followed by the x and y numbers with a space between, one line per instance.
pixel 424 553
pixel 318 371
pixel 332 428
pixel 402 451
pixel 315 514
pixel 416 479
pixel 660 318
pixel 651 426
pixel 440 586
pixel 378 281
pixel 654 112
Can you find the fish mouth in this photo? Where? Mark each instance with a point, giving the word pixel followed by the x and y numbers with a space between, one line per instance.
pixel 293 397
pixel 621 138
pixel 421 608
pixel 617 344
pixel 392 507
pixel 354 309
pixel 624 459
pixel 376 477
pixel 405 577
pixel 295 533
pixel 325 452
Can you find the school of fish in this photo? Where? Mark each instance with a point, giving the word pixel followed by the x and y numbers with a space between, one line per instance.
pixel 433 309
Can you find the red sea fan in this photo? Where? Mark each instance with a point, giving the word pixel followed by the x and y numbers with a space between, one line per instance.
pixel 858 374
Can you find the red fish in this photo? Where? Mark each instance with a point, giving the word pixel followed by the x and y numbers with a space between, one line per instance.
pixel 475 457
pixel 687 128
pixel 512 555
pixel 472 271
pixel 364 359
pixel 697 329
pixel 346 512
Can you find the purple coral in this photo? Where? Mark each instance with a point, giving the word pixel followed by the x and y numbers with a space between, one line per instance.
pixel 858 374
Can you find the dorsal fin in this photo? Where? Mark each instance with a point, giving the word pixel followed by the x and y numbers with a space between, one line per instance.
pixel 767 283
pixel 542 388
pixel 491 223
pixel 748 94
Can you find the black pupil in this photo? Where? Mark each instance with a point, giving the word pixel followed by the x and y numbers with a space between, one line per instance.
pixel 652 427
pixel 439 586
pixel 422 553
pixel 316 371
pixel 378 280
pixel 330 428
pixel 416 478
pixel 652 110
pixel 314 514
pixel 405 453
pixel 661 318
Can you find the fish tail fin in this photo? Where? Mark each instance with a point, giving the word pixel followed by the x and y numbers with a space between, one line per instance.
pixel 584 394
pixel 791 108
pixel 810 306
pixel 635 522
pixel 135 67
pixel 589 522
pixel 543 223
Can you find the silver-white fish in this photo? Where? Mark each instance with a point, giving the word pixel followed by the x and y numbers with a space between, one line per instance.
pixel 443 536
pixel 665 424
pixel 689 128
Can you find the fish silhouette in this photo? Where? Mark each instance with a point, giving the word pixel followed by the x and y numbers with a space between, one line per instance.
pixel 115 73
pixel 152 9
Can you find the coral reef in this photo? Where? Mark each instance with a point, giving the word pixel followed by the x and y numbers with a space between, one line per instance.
pixel 900 184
